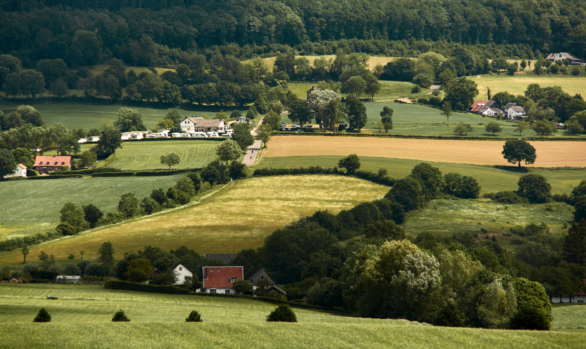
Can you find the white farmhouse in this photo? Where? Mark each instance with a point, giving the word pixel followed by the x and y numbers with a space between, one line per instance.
pixel 198 124
pixel 19 172
pixel 514 111
pixel 181 272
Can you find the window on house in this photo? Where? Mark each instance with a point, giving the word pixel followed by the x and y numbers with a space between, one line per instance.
pixel 213 290
pixel 218 270
pixel 212 270
pixel 180 269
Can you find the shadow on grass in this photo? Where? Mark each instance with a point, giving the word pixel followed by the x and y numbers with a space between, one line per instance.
pixel 512 168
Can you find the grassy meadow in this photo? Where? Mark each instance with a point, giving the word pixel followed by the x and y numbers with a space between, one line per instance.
pixel 390 90
pixel 517 84
pixel 236 217
pixel 490 178
pixel 34 206
pixel 81 319
pixel 569 316
pixel 147 155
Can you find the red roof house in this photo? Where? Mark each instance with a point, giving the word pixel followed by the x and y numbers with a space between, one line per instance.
pixel 46 164
pixel 220 279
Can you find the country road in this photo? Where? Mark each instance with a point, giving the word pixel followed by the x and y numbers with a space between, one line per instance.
pixel 252 152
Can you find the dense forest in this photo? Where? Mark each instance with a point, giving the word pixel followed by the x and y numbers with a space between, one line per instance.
pixel 143 32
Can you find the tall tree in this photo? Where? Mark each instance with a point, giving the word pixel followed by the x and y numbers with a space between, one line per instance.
pixel 516 151
pixel 242 136
pixel 356 112
pixel 447 110
pixel 106 254
pixel 387 118
pixel 7 163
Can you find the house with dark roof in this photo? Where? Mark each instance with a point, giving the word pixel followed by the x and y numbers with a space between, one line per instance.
pixel 258 276
pixel 46 164
pixel 276 289
pixel 225 258
pixel 564 56
pixel 220 279
pixel 514 111
pixel 199 124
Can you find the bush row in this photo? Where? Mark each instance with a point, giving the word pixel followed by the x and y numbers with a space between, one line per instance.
pixel 12 244
pixel 113 284
pixel 57 176
pixel 366 175
pixel 144 173
pixel 89 170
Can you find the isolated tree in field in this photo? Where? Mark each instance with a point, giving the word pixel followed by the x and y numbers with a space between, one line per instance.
pixel 74 215
pixel 493 127
pixel 71 256
pixel 119 316
pixel 170 159
pixel 193 317
pixel 350 163
pixel 447 110
pixel 92 214
pixel 542 127
pixel 283 313
pixel 521 126
pixel 534 187
pixel 463 129
pixel 264 134
pixel 515 151
pixel 127 118
pixel 242 136
pixel 229 151
pixel 387 118
pixel 354 86
pixel 7 163
pixel 106 253
pixel 128 205
pixel 25 251
pixel 43 316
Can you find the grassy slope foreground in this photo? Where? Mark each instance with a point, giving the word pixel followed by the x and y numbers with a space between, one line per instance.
pixel 34 205
pixel 237 217
pixel 81 319
pixel 147 155
pixel 491 179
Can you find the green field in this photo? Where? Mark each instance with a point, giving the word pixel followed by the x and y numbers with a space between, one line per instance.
pixel 517 84
pixel 569 316
pixel 34 205
pixel 448 217
pixel 237 217
pixel 491 179
pixel 389 90
pixel 81 319
pixel 136 155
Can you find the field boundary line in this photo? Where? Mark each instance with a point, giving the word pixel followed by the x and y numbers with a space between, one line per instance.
pixel 450 138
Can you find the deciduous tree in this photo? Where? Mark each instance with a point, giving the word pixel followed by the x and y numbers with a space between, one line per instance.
pixel 516 151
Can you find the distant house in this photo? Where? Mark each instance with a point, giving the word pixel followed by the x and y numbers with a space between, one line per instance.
pixel 46 164
pixel 225 258
pixel 564 56
pixel 19 172
pixel 134 135
pixel 260 275
pixel 579 297
pixel 68 279
pixel 181 272
pixel 241 120
pixel 486 108
pixel 198 124
pixel 220 279
pixel 514 111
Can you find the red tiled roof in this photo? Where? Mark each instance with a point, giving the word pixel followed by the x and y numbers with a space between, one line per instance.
pixel 221 277
pixel 53 161
pixel 22 166
pixel 477 105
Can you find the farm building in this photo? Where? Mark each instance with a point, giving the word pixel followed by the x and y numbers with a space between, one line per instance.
pixel 258 276
pixel 220 279
pixel 46 164
pixel 68 279
pixel 225 258
pixel 564 56
pixel 181 272
pixel 20 171
pixel 514 111
pixel 198 124
pixel 571 298
pixel 486 108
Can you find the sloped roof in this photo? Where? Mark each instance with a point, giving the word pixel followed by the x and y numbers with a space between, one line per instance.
pixel 22 166
pixel 183 265
pixel 53 161
pixel 220 277
pixel 518 109
pixel 479 105
pixel 260 274
pixel 278 289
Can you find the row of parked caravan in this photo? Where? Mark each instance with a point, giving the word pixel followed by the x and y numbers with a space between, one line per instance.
pixel 201 135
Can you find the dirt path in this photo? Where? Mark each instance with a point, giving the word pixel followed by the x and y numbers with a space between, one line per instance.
pixel 549 153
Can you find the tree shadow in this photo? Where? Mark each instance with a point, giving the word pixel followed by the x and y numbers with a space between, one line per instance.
pixel 512 168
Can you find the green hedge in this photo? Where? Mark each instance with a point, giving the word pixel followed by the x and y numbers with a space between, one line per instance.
pixel 174 139
pixel 45 275
pixel 165 172
pixel 12 244
pixel 113 174
pixel 57 176
pixel 90 171
pixel 114 284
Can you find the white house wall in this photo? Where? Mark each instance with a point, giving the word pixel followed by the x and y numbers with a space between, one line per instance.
pixel 181 272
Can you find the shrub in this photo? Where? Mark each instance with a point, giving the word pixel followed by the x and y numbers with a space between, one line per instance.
pixel 242 286
pixel 43 316
pixel 530 319
pixel 283 313
pixel 65 228
pixel 194 317
pixel 535 188
pixel 182 197
pixel 120 317
pixel 29 267
pixel 507 197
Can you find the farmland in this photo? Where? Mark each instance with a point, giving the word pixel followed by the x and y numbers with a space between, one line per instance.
pixel 518 84
pixel 389 90
pixel 34 205
pixel 569 316
pixel 549 154
pixel 491 179
pixel 146 155
pixel 81 318
pixel 239 216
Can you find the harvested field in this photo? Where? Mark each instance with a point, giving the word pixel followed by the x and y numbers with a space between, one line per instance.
pixel 549 154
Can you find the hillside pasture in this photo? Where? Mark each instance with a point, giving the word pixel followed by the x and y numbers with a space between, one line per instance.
pixel 490 178
pixel 82 314
pixel 517 85
pixel 34 205
pixel 137 155
pixel 237 217
pixel 569 317
pixel 549 153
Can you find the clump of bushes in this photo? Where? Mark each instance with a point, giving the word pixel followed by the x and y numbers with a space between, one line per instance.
pixel 194 317
pixel 283 313
pixel 120 317
pixel 506 197
pixel 43 316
